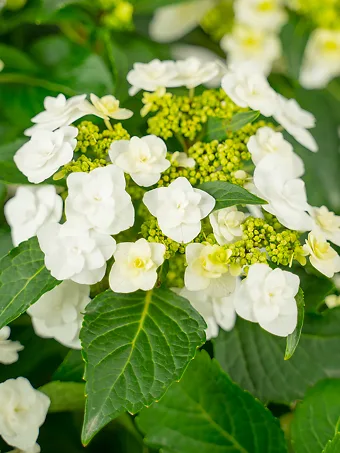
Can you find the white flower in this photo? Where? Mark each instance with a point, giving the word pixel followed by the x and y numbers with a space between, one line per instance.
pixel 59 313
pixel 35 449
pixel 46 152
pixel 265 14
pixel 183 160
pixel 151 76
pixel 268 297
pixel 208 270
pixel 75 253
pixel 59 112
pixel 179 209
pixel 22 411
pixel 321 255
pixel 135 266
pixel 326 223
pixel 277 180
pixel 171 22
pixel 8 348
pixel 106 107
pixel 321 59
pixel 184 51
pixel 98 200
pixel 193 72
pixel 2 64
pixel 267 141
pixel 216 311
pixel 296 121
pixel 30 208
pixel 332 301
pixel 226 224
pixel 144 159
pixel 249 89
pixel 253 46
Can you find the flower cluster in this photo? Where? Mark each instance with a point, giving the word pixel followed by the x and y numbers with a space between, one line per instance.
pixel 133 202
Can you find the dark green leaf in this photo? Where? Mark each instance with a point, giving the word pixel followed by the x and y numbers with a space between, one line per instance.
pixel 134 345
pixel 227 194
pixel 15 59
pixel 5 241
pixel 317 418
pixel 72 368
pixel 23 280
pixel 9 173
pixel 315 289
pixel 206 412
pixel 217 128
pixel 254 358
pixel 65 396
pixel 333 446
pixel 148 6
pixel 294 338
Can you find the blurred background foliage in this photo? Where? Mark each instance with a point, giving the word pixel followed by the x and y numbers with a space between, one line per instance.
pixel 88 46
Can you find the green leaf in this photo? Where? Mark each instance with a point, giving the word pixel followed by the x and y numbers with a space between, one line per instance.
pixel 71 369
pixel 9 173
pixel 65 396
pixel 14 58
pixel 5 241
pixel 134 345
pixel 254 358
pixel 217 128
pixel 227 194
pixel 23 280
pixel 315 289
pixel 333 446
pixel 317 418
pixel 294 338
pixel 206 412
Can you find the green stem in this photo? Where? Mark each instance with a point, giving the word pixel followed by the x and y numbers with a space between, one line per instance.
pixel 109 52
pixel 182 142
pixel 24 79
pixel 191 92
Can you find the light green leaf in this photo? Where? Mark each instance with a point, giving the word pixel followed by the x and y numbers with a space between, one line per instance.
pixel 254 358
pixel 333 446
pixel 23 280
pixel 206 412
pixel 134 345
pixel 317 418
pixel 65 396
pixel 217 128
pixel 71 369
pixel 294 338
pixel 227 194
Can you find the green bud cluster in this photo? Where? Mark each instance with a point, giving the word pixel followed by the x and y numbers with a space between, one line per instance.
pixel 175 275
pixel 185 115
pixel 216 161
pixel 120 17
pixel 219 20
pixel 136 192
pixel 324 13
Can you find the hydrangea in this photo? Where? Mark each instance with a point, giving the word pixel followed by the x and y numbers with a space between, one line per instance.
pixel 8 349
pixel 106 107
pixel 74 252
pixel 59 313
pixel 171 22
pixel 150 76
pixel 192 72
pixel 30 208
pixel 98 200
pixel 46 152
pixel 208 270
pixel 326 223
pixel 179 209
pixel 22 411
pixel 144 159
pixel 226 224
pixel 267 297
pixel 216 311
pixel 267 15
pixel 321 255
pixel 135 266
pixel 59 112
pixel 277 180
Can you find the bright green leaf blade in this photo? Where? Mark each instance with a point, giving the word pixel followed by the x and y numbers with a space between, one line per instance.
pixel 254 358
pixel 206 412
pixel 23 280
pixel 317 418
pixel 294 338
pixel 217 128
pixel 227 194
pixel 65 396
pixel 134 345
pixel 333 446
pixel 71 369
